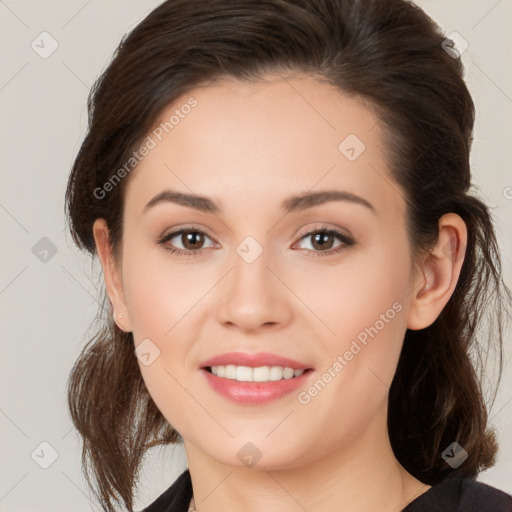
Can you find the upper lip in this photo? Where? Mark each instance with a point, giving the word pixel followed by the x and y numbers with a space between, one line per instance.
pixel 253 360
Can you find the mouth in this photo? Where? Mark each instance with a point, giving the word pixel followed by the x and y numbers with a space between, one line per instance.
pixel 255 379
pixel 255 385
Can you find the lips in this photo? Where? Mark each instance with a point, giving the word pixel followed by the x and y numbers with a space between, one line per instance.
pixel 254 360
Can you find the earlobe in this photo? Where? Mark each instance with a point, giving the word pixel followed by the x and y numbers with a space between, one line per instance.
pixel 111 274
pixel 439 273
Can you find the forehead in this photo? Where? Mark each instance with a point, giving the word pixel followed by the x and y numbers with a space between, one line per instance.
pixel 255 140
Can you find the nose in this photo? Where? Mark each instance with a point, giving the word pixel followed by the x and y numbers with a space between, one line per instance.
pixel 253 296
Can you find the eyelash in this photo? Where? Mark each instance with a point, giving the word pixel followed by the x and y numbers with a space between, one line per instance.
pixel 346 241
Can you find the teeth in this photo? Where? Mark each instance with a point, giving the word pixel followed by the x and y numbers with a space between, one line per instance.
pixel 258 374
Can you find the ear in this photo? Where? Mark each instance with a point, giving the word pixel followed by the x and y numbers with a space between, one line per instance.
pixel 437 275
pixel 112 275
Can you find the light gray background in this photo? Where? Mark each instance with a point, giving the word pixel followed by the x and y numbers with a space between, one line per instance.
pixel 47 306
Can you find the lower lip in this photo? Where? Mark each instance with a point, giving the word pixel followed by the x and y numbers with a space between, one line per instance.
pixel 254 392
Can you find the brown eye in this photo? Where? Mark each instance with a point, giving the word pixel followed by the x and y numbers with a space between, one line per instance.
pixel 323 242
pixel 190 240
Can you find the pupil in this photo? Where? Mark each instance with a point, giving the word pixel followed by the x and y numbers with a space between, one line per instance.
pixel 193 238
pixel 319 239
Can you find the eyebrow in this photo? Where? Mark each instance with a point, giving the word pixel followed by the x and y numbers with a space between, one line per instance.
pixel 289 205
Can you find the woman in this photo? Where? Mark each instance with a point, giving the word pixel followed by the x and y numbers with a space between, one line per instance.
pixel 279 195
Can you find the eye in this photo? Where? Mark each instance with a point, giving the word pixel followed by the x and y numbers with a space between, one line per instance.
pixel 191 240
pixel 323 241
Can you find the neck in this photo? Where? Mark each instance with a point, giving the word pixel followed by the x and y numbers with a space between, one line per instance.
pixel 358 476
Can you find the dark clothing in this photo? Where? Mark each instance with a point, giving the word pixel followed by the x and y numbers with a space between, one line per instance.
pixel 453 494
pixel 176 498
pixel 461 495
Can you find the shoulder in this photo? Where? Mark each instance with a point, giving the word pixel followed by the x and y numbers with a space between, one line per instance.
pixel 176 498
pixel 458 494
pixel 481 497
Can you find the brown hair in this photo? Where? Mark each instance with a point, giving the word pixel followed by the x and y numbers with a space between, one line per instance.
pixel 387 52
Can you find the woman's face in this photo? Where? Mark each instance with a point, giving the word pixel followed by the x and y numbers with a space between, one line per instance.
pixel 258 276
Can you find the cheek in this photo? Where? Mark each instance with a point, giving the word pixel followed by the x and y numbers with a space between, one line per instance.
pixel 359 360
pixel 162 381
pixel 363 297
pixel 365 307
pixel 159 294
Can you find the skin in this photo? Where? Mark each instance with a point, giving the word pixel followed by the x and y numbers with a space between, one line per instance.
pixel 249 146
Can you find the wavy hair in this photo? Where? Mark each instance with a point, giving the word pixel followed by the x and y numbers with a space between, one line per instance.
pixel 388 53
